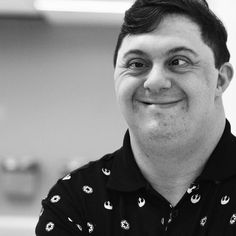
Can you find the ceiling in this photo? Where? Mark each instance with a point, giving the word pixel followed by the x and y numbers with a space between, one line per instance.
pixel 27 8
pixel 18 7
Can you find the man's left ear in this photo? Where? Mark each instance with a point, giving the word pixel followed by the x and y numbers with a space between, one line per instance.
pixel 224 77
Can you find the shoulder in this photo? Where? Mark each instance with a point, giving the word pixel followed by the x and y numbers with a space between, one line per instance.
pixel 68 202
pixel 87 178
pixel 92 171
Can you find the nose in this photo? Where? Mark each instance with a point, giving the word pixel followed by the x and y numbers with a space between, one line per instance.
pixel 157 79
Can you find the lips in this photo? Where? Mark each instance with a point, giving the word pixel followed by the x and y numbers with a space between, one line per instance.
pixel 161 103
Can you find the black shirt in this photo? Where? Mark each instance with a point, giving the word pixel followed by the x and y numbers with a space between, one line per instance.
pixel 110 197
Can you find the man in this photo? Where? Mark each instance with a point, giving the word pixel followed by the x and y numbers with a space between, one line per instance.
pixel 176 171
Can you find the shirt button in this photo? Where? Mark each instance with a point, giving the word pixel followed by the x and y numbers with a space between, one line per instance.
pixel 175 213
pixel 162 220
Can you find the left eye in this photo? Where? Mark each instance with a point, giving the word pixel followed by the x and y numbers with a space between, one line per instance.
pixel 178 62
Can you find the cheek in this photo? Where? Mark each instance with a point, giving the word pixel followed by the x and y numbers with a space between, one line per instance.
pixel 126 87
pixel 210 75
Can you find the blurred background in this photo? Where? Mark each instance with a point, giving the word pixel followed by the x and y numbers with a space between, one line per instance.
pixel 57 101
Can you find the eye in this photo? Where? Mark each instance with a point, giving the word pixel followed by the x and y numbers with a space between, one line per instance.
pixel 178 62
pixel 137 64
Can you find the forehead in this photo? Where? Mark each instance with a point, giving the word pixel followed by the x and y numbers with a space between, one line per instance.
pixel 173 31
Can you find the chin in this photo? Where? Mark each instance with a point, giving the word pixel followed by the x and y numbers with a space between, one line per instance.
pixel 163 130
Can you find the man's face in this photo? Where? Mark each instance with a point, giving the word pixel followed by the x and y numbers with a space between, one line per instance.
pixel 166 80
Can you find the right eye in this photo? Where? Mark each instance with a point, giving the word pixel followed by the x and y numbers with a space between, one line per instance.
pixel 137 64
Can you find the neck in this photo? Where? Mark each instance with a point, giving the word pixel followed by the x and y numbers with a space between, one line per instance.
pixel 171 171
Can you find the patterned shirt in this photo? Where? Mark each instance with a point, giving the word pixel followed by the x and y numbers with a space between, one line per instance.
pixel 110 197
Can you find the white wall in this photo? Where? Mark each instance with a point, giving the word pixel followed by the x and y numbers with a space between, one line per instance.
pixel 57 99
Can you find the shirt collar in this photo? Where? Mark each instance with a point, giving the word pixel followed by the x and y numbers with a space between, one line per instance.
pixel 126 175
pixel 222 163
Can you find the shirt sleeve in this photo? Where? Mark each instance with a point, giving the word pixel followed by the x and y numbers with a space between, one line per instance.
pixel 61 214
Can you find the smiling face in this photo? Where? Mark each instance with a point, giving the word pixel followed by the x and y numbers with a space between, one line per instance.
pixel 166 82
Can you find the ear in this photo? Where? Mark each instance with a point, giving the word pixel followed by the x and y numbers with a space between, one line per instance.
pixel 224 78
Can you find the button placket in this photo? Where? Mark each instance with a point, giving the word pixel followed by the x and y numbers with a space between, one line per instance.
pixel 173 215
pixel 166 221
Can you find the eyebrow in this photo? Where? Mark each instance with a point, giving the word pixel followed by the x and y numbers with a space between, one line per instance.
pixel 180 49
pixel 171 51
pixel 135 51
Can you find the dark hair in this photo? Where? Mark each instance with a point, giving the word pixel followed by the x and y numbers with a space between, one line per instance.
pixel 145 15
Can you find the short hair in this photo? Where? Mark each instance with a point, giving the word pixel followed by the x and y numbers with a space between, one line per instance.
pixel 145 15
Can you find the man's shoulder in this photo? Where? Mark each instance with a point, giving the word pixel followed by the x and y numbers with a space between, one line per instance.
pixel 97 165
pixel 93 173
